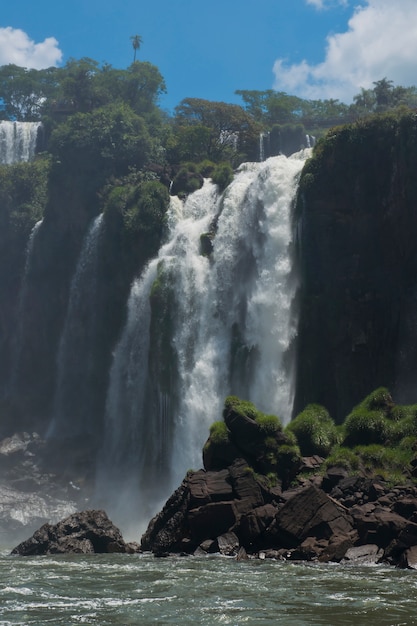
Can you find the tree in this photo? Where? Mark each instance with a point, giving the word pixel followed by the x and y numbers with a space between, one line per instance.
pixel 234 134
pixel 136 43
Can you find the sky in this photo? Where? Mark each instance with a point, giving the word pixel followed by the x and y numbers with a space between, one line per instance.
pixel 316 49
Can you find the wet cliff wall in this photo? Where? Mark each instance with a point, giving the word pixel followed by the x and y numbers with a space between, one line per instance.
pixel 356 225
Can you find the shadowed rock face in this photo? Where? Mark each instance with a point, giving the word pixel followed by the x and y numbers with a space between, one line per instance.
pixel 88 532
pixel 357 225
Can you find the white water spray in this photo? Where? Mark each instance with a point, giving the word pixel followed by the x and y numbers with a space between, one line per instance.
pixel 22 307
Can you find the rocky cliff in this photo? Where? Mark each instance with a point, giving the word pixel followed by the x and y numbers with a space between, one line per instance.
pixel 356 224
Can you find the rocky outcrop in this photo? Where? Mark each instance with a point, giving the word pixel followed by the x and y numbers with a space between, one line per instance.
pixel 88 532
pixel 323 518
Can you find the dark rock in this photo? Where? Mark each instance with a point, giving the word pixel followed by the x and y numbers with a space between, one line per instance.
pixel 332 477
pixel 380 526
pixel 248 494
pixel 405 507
pixel 311 513
pixel 409 558
pixel 254 523
pixel 88 532
pixel 211 520
pixel 206 487
pixel 168 527
pixel 242 554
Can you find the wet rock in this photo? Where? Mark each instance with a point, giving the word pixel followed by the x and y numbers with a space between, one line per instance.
pixel 311 513
pixel 88 532
pixel 228 544
pixel 367 554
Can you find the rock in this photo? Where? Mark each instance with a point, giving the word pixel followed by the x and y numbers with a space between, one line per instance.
pixel 168 527
pixel 242 554
pixel 228 544
pixel 367 554
pixel 211 520
pixel 206 487
pixel 254 523
pixel 379 526
pixel 88 532
pixel 311 513
pixel 409 558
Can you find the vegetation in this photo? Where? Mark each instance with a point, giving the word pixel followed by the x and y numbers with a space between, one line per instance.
pixel 378 438
pixel 314 430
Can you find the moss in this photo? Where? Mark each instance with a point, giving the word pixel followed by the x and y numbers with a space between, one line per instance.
pixel 219 433
pixel 342 457
pixel 315 430
pixel 268 424
pixel 366 427
pixel 383 460
pixel 241 407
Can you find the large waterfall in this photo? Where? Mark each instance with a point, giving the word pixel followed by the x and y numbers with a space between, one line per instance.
pixel 18 141
pixel 201 327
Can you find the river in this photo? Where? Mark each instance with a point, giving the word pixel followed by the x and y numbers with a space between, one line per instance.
pixel 106 590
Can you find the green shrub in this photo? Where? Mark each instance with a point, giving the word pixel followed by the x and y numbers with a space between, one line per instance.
pixel 384 460
pixel 364 427
pixel 315 430
pixel 342 457
pixel 222 175
pixel 206 168
pixel 379 399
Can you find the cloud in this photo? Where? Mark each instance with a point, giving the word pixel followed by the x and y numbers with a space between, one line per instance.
pixel 16 47
pixel 325 4
pixel 381 41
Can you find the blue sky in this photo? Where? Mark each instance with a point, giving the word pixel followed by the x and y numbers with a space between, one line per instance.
pixel 310 48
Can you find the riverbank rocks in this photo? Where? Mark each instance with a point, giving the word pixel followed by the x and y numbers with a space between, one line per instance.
pixel 335 517
pixel 88 532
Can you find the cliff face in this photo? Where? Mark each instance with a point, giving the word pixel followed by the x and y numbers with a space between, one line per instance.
pixel 356 224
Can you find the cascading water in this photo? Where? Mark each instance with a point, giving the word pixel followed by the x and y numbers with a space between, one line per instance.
pixel 22 307
pixel 201 327
pixel 18 141
pixel 72 411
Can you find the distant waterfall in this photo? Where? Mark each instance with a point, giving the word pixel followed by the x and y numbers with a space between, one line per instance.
pixel 22 306
pixel 75 359
pixel 202 327
pixel 18 141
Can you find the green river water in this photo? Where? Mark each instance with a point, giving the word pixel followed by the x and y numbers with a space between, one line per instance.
pixel 140 589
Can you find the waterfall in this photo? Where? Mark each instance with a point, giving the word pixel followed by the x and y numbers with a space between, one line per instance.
pixel 18 141
pixel 22 306
pixel 72 407
pixel 201 327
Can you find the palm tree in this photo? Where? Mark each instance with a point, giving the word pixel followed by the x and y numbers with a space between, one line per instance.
pixel 136 43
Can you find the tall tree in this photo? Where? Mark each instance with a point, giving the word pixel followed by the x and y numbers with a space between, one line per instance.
pixel 136 43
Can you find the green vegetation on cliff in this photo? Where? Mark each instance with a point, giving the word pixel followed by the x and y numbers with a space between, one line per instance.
pixel 378 438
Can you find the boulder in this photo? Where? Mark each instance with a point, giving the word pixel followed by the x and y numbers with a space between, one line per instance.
pixel 311 513
pixel 88 532
pixel 367 554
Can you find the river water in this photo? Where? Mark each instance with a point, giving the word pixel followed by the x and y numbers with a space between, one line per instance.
pixel 140 589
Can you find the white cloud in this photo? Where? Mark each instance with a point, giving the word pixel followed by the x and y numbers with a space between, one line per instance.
pixel 16 47
pixel 324 4
pixel 381 41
